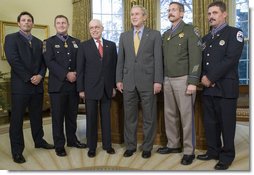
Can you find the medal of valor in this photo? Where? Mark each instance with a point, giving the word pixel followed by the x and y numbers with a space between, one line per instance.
pixel 65 44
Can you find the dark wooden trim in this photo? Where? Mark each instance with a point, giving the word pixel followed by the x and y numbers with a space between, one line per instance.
pixel 244 89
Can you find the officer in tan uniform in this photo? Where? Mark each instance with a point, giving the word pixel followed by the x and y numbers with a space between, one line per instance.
pixel 182 67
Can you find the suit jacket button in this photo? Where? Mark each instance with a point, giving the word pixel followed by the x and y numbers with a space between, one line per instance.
pixel 207 63
pixel 208 54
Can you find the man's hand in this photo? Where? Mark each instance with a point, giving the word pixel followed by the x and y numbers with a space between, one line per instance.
pixel 156 88
pixel 114 92
pixel 191 89
pixel 119 86
pixel 71 76
pixel 36 79
pixel 205 81
pixel 82 94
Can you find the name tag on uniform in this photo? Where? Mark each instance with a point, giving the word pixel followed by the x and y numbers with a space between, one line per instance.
pixel 57 46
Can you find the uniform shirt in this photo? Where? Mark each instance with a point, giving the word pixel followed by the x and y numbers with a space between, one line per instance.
pixel 221 54
pixel 60 58
pixel 182 53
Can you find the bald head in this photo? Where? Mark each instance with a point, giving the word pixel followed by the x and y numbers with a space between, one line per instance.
pixel 95 21
pixel 96 28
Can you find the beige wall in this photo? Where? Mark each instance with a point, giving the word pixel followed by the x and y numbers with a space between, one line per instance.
pixel 43 11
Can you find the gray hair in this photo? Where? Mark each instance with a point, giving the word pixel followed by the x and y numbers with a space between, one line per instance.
pixel 143 9
pixel 97 21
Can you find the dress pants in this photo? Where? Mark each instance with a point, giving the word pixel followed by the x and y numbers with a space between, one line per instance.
pixel 149 111
pixel 179 107
pixel 64 108
pixel 92 122
pixel 220 120
pixel 21 102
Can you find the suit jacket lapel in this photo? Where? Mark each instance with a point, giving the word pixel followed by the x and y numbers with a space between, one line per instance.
pixel 94 47
pixel 105 49
pixel 22 38
pixel 130 39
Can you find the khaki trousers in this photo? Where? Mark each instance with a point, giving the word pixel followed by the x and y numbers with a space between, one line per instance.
pixel 179 107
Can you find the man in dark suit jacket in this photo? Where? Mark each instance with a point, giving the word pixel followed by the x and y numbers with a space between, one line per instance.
pixel 96 64
pixel 139 75
pixel 222 51
pixel 24 54
pixel 60 53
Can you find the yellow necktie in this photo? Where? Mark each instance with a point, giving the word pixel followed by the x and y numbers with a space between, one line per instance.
pixel 136 42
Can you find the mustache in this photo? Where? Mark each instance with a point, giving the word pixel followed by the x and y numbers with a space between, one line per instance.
pixel 171 16
pixel 210 20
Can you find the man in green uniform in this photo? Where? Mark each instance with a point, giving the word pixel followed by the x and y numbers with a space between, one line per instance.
pixel 182 61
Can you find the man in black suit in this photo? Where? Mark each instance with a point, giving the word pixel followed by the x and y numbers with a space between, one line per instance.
pixel 60 53
pixel 96 66
pixel 222 51
pixel 24 54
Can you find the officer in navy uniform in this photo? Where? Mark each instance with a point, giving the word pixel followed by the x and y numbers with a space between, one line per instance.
pixel 222 49
pixel 60 56
pixel 24 54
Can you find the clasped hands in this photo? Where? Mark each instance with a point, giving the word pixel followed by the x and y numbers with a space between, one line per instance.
pixel 36 79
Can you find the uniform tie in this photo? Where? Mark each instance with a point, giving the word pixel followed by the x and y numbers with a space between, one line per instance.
pixel 100 48
pixel 136 42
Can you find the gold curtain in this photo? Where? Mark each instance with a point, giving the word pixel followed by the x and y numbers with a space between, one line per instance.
pixel 200 15
pixel 150 5
pixel 81 17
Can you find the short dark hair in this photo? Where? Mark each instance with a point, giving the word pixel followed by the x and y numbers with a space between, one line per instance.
pixel 61 16
pixel 219 4
pixel 25 13
pixel 180 5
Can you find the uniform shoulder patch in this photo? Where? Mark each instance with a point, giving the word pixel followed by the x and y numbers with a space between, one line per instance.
pixel 239 36
pixel 196 31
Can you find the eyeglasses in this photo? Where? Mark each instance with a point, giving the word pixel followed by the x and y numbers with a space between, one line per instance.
pixel 95 28
pixel 172 10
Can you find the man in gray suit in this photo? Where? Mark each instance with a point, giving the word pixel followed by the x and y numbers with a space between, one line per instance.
pixel 139 76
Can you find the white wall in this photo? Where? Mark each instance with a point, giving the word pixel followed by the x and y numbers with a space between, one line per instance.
pixel 43 11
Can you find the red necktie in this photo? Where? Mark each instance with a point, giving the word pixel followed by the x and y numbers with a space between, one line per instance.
pixel 100 48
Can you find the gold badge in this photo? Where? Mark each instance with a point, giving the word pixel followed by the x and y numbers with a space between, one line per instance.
pixel 168 38
pixel 222 42
pixel 181 35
